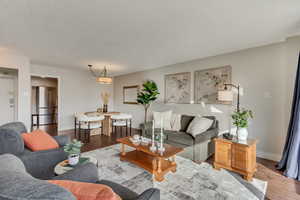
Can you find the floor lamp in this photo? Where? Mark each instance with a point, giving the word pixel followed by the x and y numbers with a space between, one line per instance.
pixel 226 95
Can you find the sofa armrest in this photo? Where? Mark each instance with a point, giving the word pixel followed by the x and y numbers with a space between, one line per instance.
pixel 84 173
pixel 40 164
pixel 150 194
pixel 62 140
pixel 207 135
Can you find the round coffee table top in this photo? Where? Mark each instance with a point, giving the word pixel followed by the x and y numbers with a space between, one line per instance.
pixel 61 169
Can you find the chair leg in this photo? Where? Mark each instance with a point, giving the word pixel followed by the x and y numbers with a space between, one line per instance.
pixel 75 127
pixel 130 127
pixel 126 127
pixel 79 133
pixel 116 132
pixel 84 135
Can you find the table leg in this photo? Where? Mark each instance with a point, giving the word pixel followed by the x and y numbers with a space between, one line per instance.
pixel 174 165
pixel 123 153
pixel 248 177
pixel 154 164
pixel 158 175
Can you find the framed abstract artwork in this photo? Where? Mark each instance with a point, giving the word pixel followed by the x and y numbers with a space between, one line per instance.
pixel 178 88
pixel 208 82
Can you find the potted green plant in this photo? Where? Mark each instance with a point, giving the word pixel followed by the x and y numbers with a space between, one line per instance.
pixel 148 94
pixel 240 120
pixel 73 150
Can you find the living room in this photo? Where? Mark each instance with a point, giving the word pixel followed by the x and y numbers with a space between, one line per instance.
pixel 222 117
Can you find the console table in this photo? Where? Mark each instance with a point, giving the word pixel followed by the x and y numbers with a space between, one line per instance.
pixel 237 156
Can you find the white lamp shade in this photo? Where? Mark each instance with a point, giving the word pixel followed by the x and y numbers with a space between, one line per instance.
pixel 225 95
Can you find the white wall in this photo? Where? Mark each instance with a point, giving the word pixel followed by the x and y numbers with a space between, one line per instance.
pixel 22 64
pixel 78 92
pixel 263 72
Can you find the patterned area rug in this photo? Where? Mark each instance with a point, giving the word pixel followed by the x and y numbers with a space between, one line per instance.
pixel 191 181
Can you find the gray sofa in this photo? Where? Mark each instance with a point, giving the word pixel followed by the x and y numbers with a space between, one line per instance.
pixel 197 148
pixel 22 172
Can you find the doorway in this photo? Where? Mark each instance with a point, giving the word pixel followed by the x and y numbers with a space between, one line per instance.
pixel 44 104
pixel 8 95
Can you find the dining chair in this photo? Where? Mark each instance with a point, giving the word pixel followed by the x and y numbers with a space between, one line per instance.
pixel 122 120
pixel 87 123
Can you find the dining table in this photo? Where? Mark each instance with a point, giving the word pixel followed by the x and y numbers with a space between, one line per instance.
pixel 106 123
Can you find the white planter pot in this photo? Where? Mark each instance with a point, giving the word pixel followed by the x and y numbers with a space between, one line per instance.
pixel 242 134
pixel 73 159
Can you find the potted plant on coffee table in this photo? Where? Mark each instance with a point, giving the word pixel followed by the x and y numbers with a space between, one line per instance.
pixel 73 150
pixel 240 120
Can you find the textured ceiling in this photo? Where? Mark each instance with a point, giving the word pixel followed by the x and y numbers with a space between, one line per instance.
pixel 134 35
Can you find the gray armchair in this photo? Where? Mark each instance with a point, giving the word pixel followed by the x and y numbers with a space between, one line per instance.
pixel 89 173
pixel 40 164
pixel 16 183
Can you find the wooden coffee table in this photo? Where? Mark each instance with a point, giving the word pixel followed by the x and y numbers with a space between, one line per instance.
pixel 154 162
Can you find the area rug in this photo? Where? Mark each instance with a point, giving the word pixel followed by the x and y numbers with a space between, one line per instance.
pixel 191 181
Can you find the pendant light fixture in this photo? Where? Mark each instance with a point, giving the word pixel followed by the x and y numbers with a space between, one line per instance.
pixel 101 77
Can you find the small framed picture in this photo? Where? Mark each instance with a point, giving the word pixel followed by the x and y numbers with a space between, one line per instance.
pixel 130 94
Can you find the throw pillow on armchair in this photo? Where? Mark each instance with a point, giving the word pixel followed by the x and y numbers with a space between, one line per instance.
pixel 87 191
pixel 39 140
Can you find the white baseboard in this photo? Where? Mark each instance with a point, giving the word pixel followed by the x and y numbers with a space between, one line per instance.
pixel 269 156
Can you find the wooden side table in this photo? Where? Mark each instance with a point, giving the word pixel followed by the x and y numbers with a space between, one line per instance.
pixel 60 168
pixel 236 156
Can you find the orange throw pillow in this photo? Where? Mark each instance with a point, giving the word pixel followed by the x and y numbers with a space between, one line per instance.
pixel 87 191
pixel 39 140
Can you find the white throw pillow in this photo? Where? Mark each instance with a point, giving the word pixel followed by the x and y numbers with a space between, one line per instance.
pixel 199 125
pixel 166 116
pixel 176 122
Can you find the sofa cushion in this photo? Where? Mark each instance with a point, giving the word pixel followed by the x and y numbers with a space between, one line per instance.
pixel 215 122
pixel 87 191
pixel 176 122
pixel 163 118
pixel 10 141
pixel 185 122
pixel 16 183
pixel 199 125
pixel 39 140
pixel 179 137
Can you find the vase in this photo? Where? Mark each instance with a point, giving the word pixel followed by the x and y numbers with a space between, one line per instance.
pixel 73 159
pixel 105 108
pixel 242 133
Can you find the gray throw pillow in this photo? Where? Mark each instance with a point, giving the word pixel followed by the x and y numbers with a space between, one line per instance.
pixel 185 122
pixel 11 142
